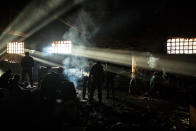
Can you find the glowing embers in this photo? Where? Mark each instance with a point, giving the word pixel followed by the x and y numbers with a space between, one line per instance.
pixel 15 48
pixel 61 47
pixel 181 46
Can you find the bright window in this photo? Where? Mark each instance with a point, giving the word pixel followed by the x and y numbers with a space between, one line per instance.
pixel 181 46
pixel 61 47
pixel 15 47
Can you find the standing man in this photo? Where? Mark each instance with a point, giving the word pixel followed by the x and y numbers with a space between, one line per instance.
pixel 86 81
pixel 132 84
pixel 109 82
pixel 154 84
pixel 96 77
pixel 27 64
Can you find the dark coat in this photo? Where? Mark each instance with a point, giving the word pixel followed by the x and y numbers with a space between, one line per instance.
pixel 27 62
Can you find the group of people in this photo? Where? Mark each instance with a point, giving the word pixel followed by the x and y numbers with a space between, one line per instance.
pixel 9 78
pixel 27 64
pixel 151 84
pixel 95 80
pixel 98 79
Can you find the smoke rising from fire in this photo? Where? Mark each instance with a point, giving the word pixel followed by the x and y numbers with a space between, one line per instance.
pixel 74 65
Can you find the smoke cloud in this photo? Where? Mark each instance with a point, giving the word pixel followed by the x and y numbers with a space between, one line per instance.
pixel 152 61
pixel 75 66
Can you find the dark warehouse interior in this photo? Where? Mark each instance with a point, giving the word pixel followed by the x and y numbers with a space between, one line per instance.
pixel 98 65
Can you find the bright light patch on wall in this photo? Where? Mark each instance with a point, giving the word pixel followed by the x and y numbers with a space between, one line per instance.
pixel 15 47
pixel 181 46
pixel 61 47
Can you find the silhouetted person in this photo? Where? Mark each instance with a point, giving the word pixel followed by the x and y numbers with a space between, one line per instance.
pixel 109 82
pixel 17 89
pixel 154 84
pixel 85 86
pixel 132 84
pixel 59 98
pixel 96 76
pixel 85 81
pixel 42 72
pixel 5 78
pixel 4 81
pixel 27 64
